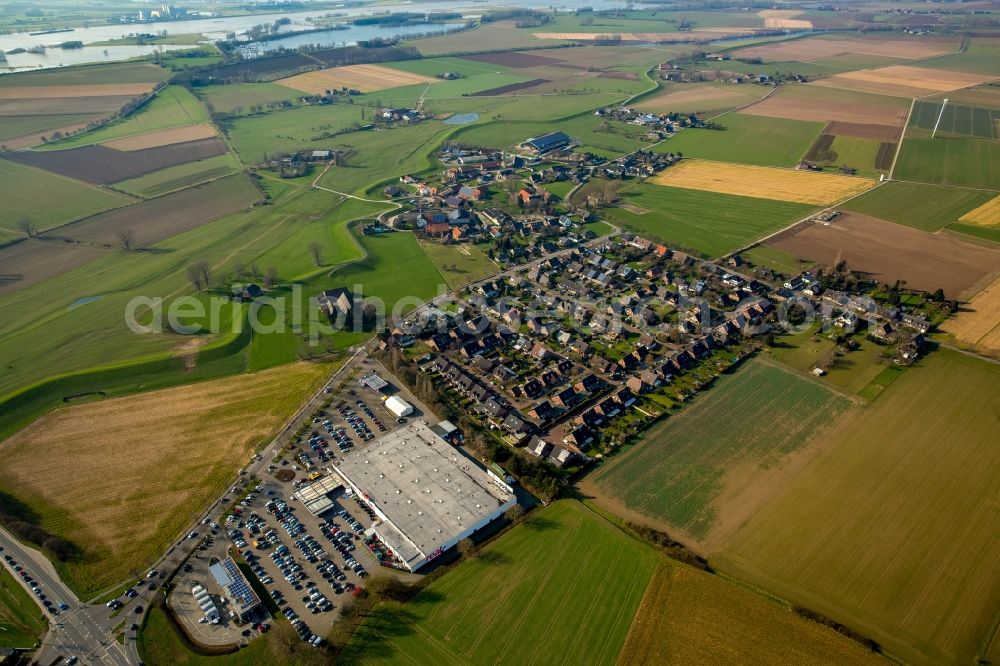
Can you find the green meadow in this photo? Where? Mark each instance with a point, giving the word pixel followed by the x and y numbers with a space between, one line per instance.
pixel 924 207
pixel 172 107
pixel 709 223
pixel 748 140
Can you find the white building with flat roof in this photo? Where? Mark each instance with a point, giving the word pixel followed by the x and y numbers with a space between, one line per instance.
pixel 427 494
pixel 398 407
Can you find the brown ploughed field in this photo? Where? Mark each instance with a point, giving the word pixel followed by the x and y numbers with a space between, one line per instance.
pixel 890 252
pixel 102 165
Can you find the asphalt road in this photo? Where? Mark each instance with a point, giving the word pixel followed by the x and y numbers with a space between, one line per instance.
pixel 83 631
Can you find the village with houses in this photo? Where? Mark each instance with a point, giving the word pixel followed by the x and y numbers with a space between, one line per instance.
pixel 568 356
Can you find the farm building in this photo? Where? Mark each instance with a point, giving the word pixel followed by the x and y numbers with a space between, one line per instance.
pixel 336 301
pixel 398 406
pixel 546 142
pixel 242 599
pixel 427 495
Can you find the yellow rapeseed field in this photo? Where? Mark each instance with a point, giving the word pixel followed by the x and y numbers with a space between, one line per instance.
pixel 808 187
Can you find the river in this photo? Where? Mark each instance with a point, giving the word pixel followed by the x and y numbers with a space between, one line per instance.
pixel 216 28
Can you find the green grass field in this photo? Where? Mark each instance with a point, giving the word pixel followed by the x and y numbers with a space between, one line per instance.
pixel 88 75
pixel 560 588
pixel 15 126
pixel 709 223
pixel 460 264
pixel 159 643
pixel 957 120
pixel 779 260
pixel 178 177
pixel 719 447
pixel 748 140
pixel 857 153
pixel 628 604
pixel 853 372
pixel 619 138
pixel 892 530
pixel 172 107
pixel 943 161
pixel 924 207
pixel 35 343
pixel 242 96
pixel 65 199
pixel 383 156
pixel 205 58
pixel 291 130
pixel 21 621
pixel 396 268
pixel 980 57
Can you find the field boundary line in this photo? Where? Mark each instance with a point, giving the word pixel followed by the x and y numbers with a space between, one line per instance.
pixel 812 215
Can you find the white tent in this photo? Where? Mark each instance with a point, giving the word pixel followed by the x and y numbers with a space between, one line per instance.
pixel 398 406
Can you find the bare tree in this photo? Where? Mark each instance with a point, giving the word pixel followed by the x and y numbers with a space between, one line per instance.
pixel 466 548
pixel 316 251
pixel 239 269
pixel 194 276
pixel 126 239
pixel 270 277
pixel 27 226
pixel 200 274
pixel 515 513
pixel 511 187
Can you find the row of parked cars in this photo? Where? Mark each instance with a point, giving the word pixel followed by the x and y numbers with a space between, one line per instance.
pixel 52 607
pixel 302 628
pixel 321 448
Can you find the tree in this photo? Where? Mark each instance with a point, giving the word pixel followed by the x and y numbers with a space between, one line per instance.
pixel 200 274
pixel 316 252
pixel 270 277
pixel 194 276
pixel 126 239
pixel 27 226
pixel 515 513
pixel 466 548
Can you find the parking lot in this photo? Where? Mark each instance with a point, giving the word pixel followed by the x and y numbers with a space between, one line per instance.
pixel 309 565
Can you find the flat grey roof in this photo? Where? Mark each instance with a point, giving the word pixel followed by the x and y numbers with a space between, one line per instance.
pixel 429 491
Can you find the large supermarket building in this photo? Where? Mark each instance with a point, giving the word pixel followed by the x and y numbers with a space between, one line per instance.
pixel 427 495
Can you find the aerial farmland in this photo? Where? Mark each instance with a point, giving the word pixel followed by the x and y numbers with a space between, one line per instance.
pixel 704 302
